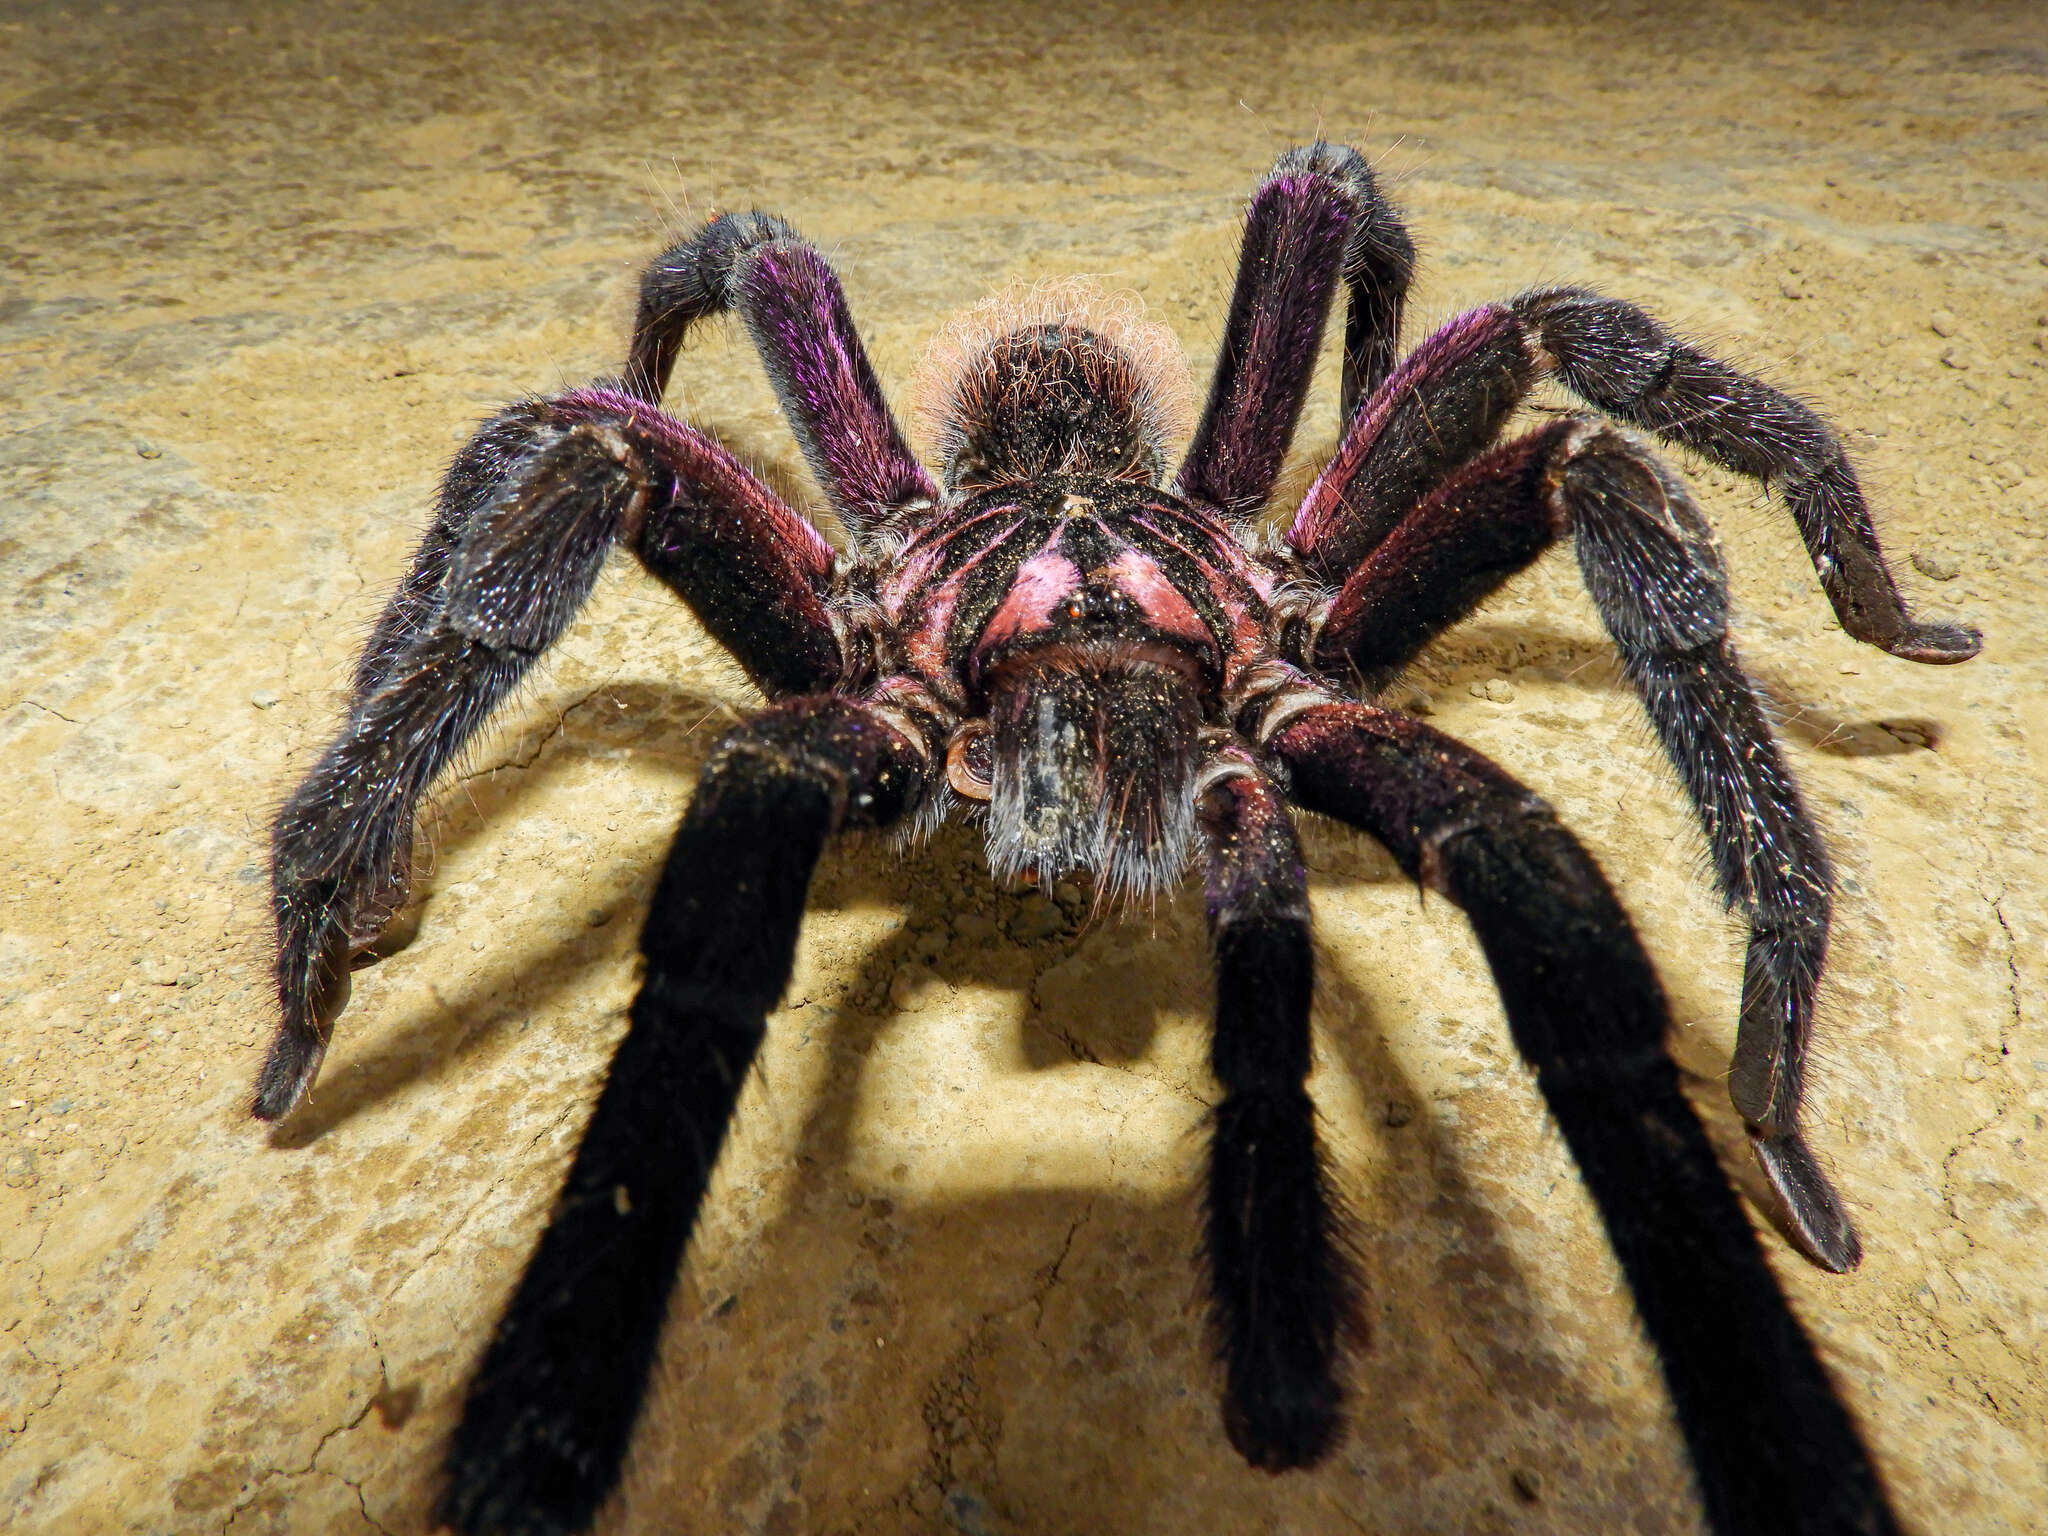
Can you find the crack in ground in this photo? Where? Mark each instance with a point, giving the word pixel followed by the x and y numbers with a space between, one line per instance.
pixel 38 704
pixel 2004 1095
pixel 31 1410
pixel 363 1504
pixel 272 1474
pixel 1079 1051
pixel 476 1205
pixel 519 764
pixel 1050 1275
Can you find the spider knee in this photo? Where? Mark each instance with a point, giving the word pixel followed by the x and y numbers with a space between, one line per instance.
pixel 1339 163
pixel 1380 241
pixel 696 276
pixel 1607 351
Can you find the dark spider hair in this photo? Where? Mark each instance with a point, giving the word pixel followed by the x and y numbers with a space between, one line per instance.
pixel 1124 677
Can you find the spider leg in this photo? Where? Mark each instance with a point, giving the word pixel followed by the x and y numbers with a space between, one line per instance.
pixel 551 1408
pixel 1613 355
pixel 527 515
pixel 1282 1294
pixel 1449 399
pixel 1649 561
pixel 1318 215
pixel 790 301
pixel 1773 1447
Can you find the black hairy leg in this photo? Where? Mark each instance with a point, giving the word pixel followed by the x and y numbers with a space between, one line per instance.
pixel 1450 398
pixel 528 512
pixel 1650 563
pixel 791 303
pixel 1282 1293
pixel 1317 217
pixel 551 1408
pixel 1614 356
pixel 1773 1448
pixel 477 473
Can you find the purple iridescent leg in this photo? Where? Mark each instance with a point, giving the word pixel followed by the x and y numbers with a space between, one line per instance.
pixel 1317 218
pixel 1450 398
pixel 787 296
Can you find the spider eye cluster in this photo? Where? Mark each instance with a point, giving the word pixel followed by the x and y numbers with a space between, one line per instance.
pixel 1055 379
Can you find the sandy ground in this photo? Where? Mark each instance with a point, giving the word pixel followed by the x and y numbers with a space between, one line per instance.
pixel 261 272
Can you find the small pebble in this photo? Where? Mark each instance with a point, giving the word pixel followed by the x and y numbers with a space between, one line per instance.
pixel 148 451
pixel 1398 1114
pixel 1973 1071
pixel 1495 690
pixel 264 699
pixel 1935 565
pixel 597 917
pixel 1942 323
pixel 1956 357
pixel 1849 669
pixel 1789 286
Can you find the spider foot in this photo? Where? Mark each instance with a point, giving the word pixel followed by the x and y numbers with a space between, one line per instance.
pixel 1285 1296
pixel 1937 645
pixel 301 1041
pixel 1285 1423
pixel 1813 1213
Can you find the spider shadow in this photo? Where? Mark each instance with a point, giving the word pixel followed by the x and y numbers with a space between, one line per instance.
pixel 639 720
pixel 1591 664
pixel 1038 1316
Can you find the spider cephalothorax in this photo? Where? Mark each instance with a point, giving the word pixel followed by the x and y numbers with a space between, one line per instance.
pixel 1111 662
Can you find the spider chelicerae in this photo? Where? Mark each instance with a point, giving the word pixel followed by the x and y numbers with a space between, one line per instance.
pixel 1114 666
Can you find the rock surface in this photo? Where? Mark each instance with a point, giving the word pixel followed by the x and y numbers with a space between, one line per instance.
pixel 261 270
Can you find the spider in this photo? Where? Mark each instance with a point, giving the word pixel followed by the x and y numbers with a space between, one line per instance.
pixel 1115 665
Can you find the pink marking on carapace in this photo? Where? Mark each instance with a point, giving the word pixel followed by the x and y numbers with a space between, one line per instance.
pixel 927 616
pixel 925 553
pixel 1043 583
pixel 1138 576
pixel 1233 577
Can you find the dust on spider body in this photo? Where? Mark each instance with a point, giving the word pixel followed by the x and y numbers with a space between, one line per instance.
pixel 1113 661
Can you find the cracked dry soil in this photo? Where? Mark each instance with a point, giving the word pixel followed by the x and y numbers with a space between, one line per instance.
pixel 263 266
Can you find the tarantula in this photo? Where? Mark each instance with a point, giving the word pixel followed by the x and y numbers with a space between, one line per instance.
pixel 1116 668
